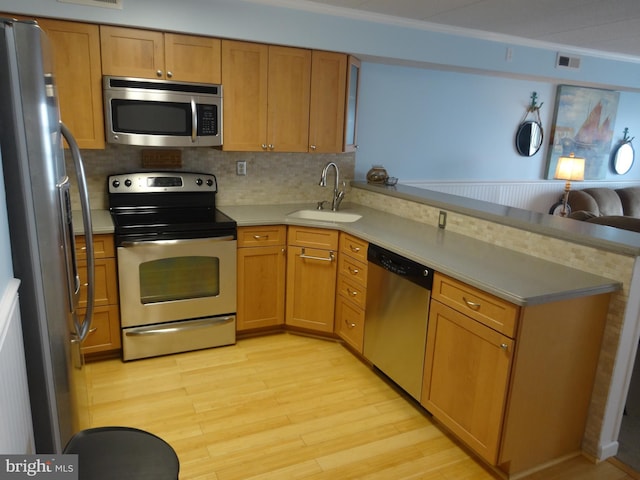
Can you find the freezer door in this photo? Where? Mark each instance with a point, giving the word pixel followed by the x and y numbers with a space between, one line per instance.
pixel 34 168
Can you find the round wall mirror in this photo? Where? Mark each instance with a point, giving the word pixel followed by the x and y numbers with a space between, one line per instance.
pixel 529 138
pixel 623 158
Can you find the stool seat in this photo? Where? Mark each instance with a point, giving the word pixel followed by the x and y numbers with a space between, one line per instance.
pixel 123 453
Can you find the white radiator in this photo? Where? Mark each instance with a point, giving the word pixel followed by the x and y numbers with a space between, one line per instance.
pixel 16 431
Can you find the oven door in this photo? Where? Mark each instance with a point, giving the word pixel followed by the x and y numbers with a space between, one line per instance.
pixel 170 280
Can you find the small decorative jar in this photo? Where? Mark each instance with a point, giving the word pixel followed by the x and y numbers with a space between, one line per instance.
pixel 377 174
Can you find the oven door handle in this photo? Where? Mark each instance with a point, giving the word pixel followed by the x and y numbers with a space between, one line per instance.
pixel 194 121
pixel 180 328
pixel 173 242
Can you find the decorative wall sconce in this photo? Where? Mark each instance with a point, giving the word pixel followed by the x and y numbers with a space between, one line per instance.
pixel 529 134
pixel 623 154
pixel 568 168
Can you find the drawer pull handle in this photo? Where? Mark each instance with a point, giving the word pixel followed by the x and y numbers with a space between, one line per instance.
pixel 261 237
pixel 322 259
pixel 353 271
pixel 504 346
pixel 349 324
pixel 354 249
pixel 473 305
pixel 352 293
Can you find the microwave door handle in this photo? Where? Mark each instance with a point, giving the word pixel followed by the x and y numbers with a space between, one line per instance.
pixel 194 121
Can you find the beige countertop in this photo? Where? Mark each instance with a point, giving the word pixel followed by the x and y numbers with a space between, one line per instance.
pixel 602 237
pixel 100 221
pixel 515 277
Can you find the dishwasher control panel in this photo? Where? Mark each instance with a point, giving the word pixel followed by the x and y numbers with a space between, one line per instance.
pixel 400 265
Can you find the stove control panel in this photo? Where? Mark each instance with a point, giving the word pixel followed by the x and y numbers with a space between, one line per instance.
pixel 150 182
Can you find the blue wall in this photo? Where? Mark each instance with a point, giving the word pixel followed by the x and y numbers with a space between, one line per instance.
pixel 430 125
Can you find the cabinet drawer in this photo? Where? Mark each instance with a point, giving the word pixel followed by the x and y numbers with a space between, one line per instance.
pixel 352 291
pixel 102 247
pixel 350 323
pixel 488 309
pixel 354 247
pixel 313 237
pixel 353 269
pixel 262 236
pixel 104 334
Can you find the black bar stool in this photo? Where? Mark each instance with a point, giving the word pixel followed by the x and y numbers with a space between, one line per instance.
pixel 123 453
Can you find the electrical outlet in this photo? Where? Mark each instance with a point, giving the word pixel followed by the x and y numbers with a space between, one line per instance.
pixel 241 167
pixel 442 219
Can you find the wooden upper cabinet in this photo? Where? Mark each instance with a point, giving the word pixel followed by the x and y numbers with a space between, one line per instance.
pixel 76 52
pixel 327 108
pixel 130 52
pixel 266 95
pixel 288 94
pixel 244 79
pixel 189 58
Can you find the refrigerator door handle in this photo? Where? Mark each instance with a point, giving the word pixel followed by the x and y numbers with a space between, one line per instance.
pixel 82 328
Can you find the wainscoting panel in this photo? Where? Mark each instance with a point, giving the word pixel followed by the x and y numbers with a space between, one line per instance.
pixel 535 196
pixel 16 431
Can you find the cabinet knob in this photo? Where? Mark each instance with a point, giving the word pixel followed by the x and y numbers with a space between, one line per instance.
pixel 353 271
pixel 264 146
pixel 271 146
pixel 504 346
pixel 349 324
pixel 312 147
pixel 352 293
pixel 158 73
pixel 169 74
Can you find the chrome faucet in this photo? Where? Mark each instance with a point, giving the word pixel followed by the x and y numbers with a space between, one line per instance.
pixel 338 195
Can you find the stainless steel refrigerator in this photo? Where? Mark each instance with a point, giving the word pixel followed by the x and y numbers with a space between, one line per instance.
pixel 38 193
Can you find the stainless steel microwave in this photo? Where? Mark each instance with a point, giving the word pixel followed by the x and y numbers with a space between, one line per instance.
pixel 158 113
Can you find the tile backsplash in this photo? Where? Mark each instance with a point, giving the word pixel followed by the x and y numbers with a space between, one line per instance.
pixel 271 177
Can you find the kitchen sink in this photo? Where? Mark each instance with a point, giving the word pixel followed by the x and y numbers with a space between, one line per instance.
pixel 325 215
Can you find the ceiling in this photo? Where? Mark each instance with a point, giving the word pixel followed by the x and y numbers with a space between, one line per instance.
pixel 611 26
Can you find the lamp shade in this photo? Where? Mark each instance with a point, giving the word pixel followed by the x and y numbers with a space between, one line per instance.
pixel 570 168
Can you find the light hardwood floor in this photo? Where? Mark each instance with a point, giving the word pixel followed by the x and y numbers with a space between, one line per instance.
pixel 284 407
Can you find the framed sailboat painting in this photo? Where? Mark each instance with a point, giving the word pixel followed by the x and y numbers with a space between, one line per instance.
pixel 583 125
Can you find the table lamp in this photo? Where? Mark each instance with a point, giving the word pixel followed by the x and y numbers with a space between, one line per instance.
pixel 569 168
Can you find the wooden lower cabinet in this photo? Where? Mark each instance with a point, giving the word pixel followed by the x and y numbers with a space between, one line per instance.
pixel 311 278
pixel 466 388
pixel 261 277
pixel 104 335
pixel 513 383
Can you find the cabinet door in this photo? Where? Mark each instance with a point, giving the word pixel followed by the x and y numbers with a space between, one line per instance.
pixel 467 368
pixel 131 52
pixel 244 79
pixel 104 334
pixel 190 58
pixel 288 99
pixel 261 281
pixel 76 51
pixel 311 285
pixel 106 283
pixel 351 110
pixel 327 107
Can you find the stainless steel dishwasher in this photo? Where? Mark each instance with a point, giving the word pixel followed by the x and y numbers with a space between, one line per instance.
pixel 395 333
